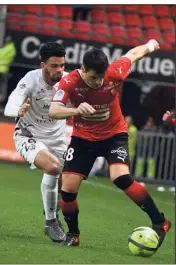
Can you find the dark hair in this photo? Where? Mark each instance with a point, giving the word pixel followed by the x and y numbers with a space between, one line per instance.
pixel 50 49
pixel 96 60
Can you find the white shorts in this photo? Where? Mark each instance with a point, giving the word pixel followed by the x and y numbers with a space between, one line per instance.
pixel 28 148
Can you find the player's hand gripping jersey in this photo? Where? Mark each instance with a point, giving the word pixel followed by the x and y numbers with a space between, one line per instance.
pixel 108 119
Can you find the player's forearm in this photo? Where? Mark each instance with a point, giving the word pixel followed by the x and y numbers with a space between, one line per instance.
pixel 11 109
pixel 139 52
pixel 15 101
pixel 61 112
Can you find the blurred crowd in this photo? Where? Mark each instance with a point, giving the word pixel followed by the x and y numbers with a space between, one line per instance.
pixel 7 56
pixel 81 12
pixel 166 127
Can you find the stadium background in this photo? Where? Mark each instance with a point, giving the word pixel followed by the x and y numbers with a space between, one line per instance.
pixel 148 92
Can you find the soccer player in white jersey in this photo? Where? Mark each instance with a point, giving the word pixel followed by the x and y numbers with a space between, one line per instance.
pixel 40 140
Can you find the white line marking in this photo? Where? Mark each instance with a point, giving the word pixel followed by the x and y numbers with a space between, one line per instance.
pixel 103 186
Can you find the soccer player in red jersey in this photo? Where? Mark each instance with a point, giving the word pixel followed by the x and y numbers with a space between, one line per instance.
pixel 99 130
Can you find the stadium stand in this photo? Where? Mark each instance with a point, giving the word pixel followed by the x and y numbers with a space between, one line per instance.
pixel 127 24
pixel 82 29
pixel 145 10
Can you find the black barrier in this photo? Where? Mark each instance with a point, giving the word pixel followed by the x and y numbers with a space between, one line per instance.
pixel 158 66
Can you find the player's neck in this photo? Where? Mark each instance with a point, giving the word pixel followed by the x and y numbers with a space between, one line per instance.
pixel 47 80
pixel 82 76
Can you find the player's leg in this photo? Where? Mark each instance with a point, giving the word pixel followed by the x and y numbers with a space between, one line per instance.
pixel 120 175
pixel 36 153
pixel 58 202
pixel 79 160
pixel 49 164
pixel 58 192
pixel 59 150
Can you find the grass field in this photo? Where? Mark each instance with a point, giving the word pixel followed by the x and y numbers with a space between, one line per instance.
pixel 107 216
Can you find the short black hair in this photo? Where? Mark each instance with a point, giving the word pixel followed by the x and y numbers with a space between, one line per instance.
pixel 95 59
pixel 50 49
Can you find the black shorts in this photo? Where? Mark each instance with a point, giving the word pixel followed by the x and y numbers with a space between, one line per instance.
pixel 81 154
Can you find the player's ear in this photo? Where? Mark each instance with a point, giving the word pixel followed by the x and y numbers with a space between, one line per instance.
pixel 83 69
pixel 42 64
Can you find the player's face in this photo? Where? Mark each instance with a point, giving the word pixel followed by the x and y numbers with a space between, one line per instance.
pixel 53 69
pixel 93 79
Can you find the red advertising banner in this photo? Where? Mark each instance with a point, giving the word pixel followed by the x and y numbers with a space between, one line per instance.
pixel 7 147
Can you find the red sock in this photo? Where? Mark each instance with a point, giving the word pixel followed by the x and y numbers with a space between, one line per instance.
pixel 68 207
pixel 70 212
pixel 136 192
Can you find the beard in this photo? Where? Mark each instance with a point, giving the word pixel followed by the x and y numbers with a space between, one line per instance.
pixel 52 79
pixel 56 78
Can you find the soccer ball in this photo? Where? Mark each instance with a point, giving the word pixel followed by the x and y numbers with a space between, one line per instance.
pixel 143 241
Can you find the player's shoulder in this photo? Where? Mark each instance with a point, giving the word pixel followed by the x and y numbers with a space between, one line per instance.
pixel 34 73
pixel 119 69
pixel 33 76
pixel 32 79
pixel 29 80
pixel 70 79
pixel 122 59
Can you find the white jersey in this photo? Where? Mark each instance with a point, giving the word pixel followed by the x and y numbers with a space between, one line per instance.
pixel 36 123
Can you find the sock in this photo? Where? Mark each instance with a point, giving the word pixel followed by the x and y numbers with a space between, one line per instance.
pixel 59 193
pixel 58 204
pixel 49 190
pixel 69 206
pixel 139 195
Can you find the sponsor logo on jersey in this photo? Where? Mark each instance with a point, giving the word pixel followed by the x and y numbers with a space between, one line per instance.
pixel 81 90
pixel 120 70
pixel 121 153
pixel 46 106
pixel 67 81
pixel 22 86
pixel 59 95
pixel 80 95
pixel 102 113
pixel 39 98
pixel 102 106
pixel 40 94
pixel 112 85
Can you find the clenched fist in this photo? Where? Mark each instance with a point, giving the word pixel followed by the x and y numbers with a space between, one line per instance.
pixel 24 108
pixel 153 43
pixel 85 108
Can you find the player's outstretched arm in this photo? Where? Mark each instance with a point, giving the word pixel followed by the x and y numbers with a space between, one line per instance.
pixel 140 51
pixel 57 111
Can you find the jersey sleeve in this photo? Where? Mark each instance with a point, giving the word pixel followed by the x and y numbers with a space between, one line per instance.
pixel 17 97
pixel 63 92
pixel 119 70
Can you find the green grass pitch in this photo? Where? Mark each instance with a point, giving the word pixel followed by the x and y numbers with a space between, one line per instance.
pixel 107 216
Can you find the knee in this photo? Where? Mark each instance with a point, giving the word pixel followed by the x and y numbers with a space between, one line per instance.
pixel 71 183
pixel 53 168
pixel 123 182
pixel 68 196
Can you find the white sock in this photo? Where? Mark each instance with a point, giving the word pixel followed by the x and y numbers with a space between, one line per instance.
pixel 49 190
